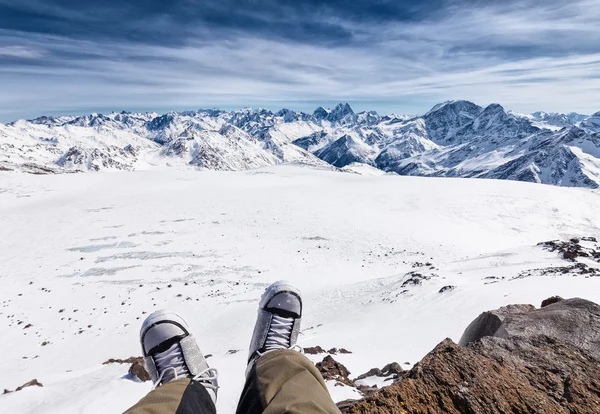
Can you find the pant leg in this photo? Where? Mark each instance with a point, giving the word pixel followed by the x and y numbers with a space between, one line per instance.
pixel 182 396
pixel 285 381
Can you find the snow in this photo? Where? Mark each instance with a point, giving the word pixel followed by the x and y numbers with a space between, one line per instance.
pixel 340 392
pixel 105 247
pixel 362 169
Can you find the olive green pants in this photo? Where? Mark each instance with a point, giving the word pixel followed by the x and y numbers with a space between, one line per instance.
pixel 281 381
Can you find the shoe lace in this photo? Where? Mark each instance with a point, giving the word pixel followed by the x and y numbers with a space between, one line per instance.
pixel 208 378
pixel 280 333
pixel 171 361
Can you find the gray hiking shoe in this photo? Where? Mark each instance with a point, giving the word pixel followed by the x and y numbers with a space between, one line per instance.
pixel 171 352
pixel 278 322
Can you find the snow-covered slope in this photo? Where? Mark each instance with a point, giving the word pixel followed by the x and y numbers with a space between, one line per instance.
pixel 346 150
pixel 557 120
pixel 592 123
pixel 409 139
pixel 455 138
pixel 85 257
pixel 498 144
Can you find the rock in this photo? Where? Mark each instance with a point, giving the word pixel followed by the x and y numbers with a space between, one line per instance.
pixel 333 351
pixel 489 323
pixel 386 371
pixel 373 372
pixel 573 321
pixel 393 368
pixel 138 370
pixel 366 390
pixel 129 360
pixel 447 289
pixel 314 350
pixel 32 383
pixel 572 249
pixel 536 361
pixel 551 300
pixel 344 351
pixel 333 370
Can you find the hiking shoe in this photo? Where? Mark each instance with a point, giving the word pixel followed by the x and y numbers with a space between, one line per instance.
pixel 278 322
pixel 171 352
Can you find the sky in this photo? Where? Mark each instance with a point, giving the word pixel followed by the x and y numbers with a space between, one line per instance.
pixel 74 57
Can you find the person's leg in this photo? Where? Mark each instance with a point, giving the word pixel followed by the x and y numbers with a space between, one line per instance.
pixel 183 382
pixel 279 378
pixel 285 381
pixel 180 396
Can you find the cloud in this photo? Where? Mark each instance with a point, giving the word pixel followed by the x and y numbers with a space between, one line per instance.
pixel 20 52
pixel 384 55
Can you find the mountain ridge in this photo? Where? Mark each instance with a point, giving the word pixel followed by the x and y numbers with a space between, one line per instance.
pixel 454 139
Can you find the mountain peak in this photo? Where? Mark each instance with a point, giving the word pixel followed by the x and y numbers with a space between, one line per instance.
pixel 455 106
pixel 320 113
pixel 342 112
pixel 494 108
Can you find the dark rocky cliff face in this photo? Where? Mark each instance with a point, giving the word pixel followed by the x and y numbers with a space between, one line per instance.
pixel 517 359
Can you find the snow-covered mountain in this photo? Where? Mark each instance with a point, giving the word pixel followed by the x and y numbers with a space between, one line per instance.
pixel 592 123
pixel 455 138
pixel 554 119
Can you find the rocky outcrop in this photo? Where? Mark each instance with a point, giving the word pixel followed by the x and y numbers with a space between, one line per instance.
pixel 573 249
pixel 390 369
pixel 314 350
pixel 334 371
pixel 516 359
pixel 136 369
pixel 32 383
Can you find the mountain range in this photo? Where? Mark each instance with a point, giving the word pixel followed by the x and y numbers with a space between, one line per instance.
pixel 453 139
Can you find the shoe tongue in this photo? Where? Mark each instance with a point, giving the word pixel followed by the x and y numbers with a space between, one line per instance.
pixel 171 364
pixel 285 304
pixel 156 335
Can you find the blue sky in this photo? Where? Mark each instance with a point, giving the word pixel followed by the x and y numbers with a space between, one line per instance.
pixel 69 56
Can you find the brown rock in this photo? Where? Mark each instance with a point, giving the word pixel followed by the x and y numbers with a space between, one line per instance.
pixel 492 377
pixel 138 370
pixel 551 300
pixel 32 383
pixel 366 390
pixel 390 369
pixel 373 372
pixel 545 361
pixel 130 360
pixel 314 350
pixel 333 370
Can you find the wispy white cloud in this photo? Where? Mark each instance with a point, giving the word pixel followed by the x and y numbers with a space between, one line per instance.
pixel 20 52
pixel 526 56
